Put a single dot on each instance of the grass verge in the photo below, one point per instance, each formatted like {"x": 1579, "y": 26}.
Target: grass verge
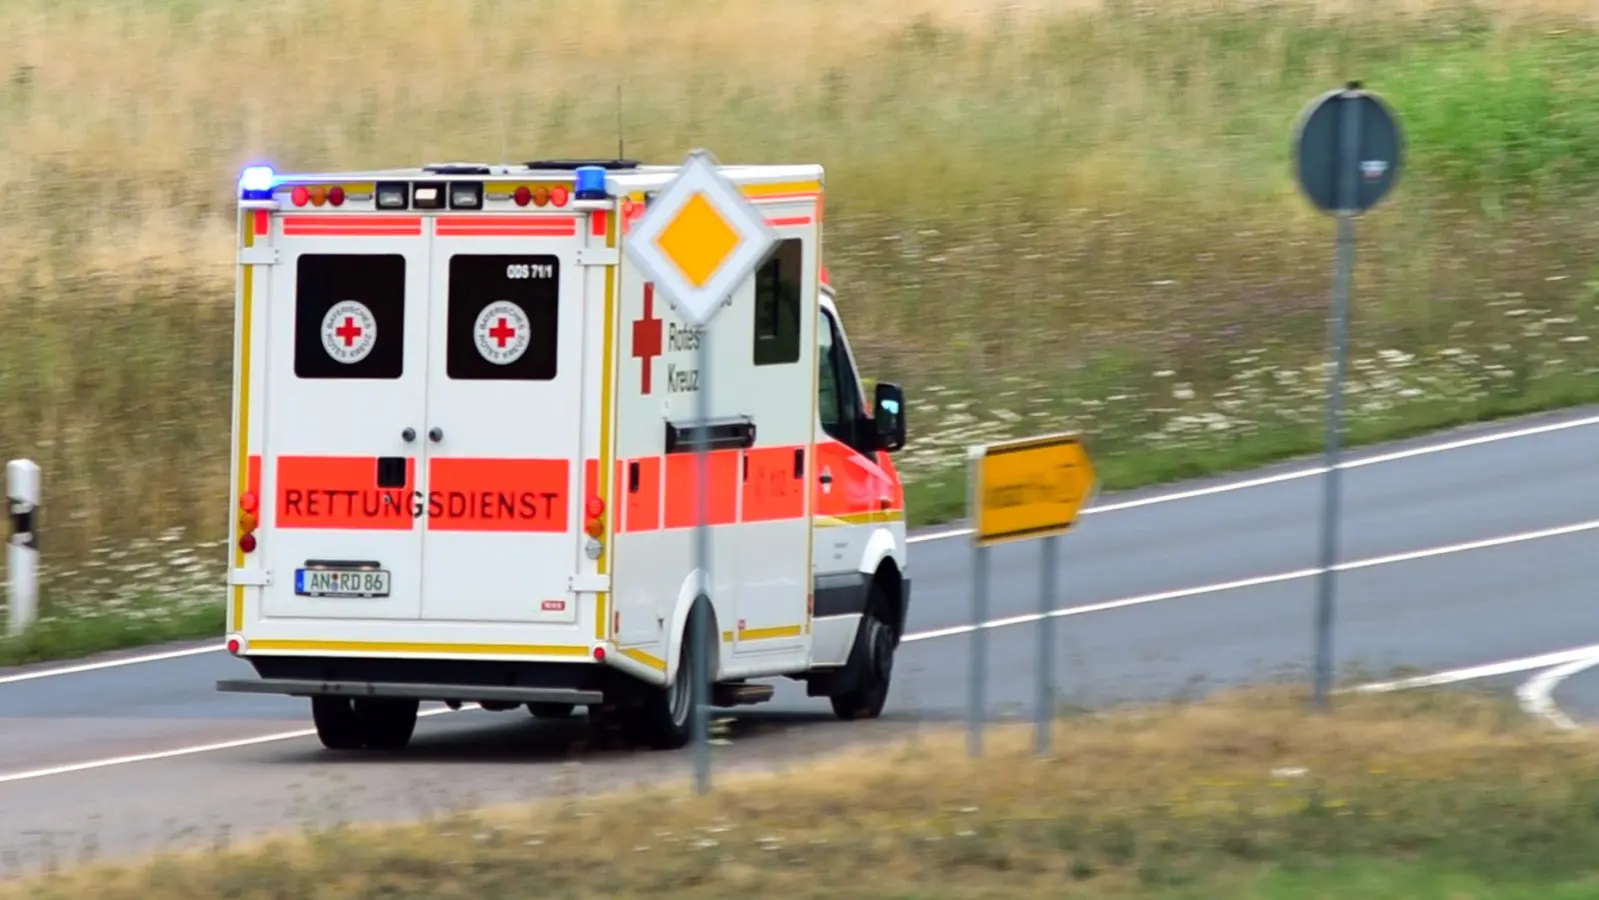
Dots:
{"x": 1247, "y": 794}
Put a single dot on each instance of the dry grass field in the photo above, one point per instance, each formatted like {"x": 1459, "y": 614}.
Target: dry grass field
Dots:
{"x": 1041, "y": 214}
{"x": 1426, "y": 796}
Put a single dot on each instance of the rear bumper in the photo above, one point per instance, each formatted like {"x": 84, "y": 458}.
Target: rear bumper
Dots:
{"x": 302, "y": 687}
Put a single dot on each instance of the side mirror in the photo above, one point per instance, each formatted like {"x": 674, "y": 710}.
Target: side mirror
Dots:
{"x": 888, "y": 416}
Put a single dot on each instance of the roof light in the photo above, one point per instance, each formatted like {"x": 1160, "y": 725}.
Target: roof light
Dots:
{"x": 391, "y": 195}
{"x": 257, "y": 179}
{"x": 466, "y": 195}
{"x": 590, "y": 183}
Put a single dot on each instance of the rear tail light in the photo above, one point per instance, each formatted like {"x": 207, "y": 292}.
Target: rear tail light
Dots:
{"x": 595, "y": 525}
{"x": 248, "y": 520}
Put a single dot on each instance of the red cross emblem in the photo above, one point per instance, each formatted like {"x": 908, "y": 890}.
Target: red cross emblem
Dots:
{"x": 647, "y": 338}
{"x": 350, "y": 331}
{"x": 502, "y": 332}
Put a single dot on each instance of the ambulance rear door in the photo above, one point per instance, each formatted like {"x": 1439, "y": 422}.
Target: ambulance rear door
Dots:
{"x": 347, "y": 352}
{"x": 505, "y": 401}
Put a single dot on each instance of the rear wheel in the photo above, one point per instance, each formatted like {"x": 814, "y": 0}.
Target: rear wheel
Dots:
{"x": 875, "y": 643}
{"x": 665, "y": 719}
{"x": 337, "y": 725}
{"x": 389, "y": 721}
{"x": 551, "y": 710}
{"x": 378, "y": 723}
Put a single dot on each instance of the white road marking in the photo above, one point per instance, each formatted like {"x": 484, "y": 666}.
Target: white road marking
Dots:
{"x": 1486, "y": 670}
{"x": 107, "y": 664}
{"x": 1537, "y": 695}
{"x": 1490, "y": 438}
{"x": 1295, "y": 575}
{"x": 187, "y": 751}
{"x": 1297, "y": 474}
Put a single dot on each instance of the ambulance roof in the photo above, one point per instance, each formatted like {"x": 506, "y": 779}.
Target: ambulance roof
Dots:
{"x": 628, "y": 176}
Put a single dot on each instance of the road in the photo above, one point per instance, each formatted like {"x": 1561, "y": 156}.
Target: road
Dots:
{"x": 1460, "y": 550}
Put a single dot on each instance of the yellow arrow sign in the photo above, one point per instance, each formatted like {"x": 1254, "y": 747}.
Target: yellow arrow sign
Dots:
{"x": 1029, "y": 488}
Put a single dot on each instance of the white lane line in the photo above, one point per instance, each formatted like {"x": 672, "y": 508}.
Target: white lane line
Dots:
{"x": 108, "y": 664}
{"x": 1484, "y": 671}
{"x": 1493, "y": 437}
{"x": 1295, "y": 575}
{"x": 1297, "y": 474}
{"x": 69, "y": 768}
{"x": 1537, "y": 695}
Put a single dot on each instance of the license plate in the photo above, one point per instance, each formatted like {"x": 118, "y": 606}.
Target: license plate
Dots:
{"x": 341, "y": 582}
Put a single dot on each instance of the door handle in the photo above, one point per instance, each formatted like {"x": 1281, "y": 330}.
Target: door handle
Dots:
{"x": 436, "y": 434}
{"x": 827, "y": 478}
{"x": 408, "y": 435}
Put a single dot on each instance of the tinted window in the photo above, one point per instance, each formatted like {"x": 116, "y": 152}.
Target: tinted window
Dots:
{"x": 777, "y": 305}
{"x": 504, "y": 318}
{"x": 349, "y": 316}
{"x": 838, "y": 400}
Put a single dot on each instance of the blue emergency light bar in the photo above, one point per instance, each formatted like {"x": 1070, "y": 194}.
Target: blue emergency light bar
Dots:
{"x": 256, "y": 182}
{"x": 590, "y": 183}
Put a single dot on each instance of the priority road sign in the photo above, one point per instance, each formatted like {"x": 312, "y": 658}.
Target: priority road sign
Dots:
{"x": 699, "y": 239}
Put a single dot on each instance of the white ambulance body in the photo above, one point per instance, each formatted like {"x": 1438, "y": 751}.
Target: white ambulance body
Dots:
{"x": 461, "y": 471}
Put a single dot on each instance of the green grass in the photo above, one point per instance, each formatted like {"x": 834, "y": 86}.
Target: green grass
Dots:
{"x": 1377, "y": 879}
{"x": 1076, "y": 217}
{"x": 1248, "y": 794}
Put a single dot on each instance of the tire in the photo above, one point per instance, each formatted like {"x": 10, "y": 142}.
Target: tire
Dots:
{"x": 665, "y": 719}
{"x": 377, "y": 723}
{"x": 338, "y": 726}
{"x": 551, "y": 710}
{"x": 875, "y": 643}
{"x": 389, "y": 721}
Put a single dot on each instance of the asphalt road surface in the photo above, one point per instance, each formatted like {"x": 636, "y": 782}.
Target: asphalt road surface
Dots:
{"x": 1465, "y": 549}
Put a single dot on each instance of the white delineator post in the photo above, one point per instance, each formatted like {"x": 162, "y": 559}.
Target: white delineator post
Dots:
{"x": 22, "y": 550}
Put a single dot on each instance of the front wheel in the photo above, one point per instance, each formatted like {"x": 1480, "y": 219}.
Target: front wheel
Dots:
{"x": 875, "y": 644}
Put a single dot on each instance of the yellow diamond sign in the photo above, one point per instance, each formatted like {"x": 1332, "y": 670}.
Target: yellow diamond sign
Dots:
{"x": 1034, "y": 487}
{"x": 697, "y": 240}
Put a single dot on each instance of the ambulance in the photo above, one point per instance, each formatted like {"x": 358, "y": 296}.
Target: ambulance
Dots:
{"x": 465, "y": 458}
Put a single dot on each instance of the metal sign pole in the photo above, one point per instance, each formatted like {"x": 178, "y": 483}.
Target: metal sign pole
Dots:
{"x": 1046, "y": 645}
{"x": 979, "y": 673}
{"x": 702, "y": 560}
{"x": 701, "y": 206}
{"x": 1347, "y": 152}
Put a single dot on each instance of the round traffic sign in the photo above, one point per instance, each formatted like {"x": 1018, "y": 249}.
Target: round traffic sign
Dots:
{"x": 1347, "y": 132}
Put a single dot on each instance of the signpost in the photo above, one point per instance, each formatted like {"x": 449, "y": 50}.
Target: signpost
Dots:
{"x": 1029, "y": 488}
{"x": 1348, "y": 151}
{"x": 697, "y": 241}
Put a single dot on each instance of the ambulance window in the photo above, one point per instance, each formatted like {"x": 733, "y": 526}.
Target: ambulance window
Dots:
{"x": 777, "y": 305}
{"x": 349, "y": 315}
{"x": 838, "y": 400}
{"x": 504, "y": 317}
